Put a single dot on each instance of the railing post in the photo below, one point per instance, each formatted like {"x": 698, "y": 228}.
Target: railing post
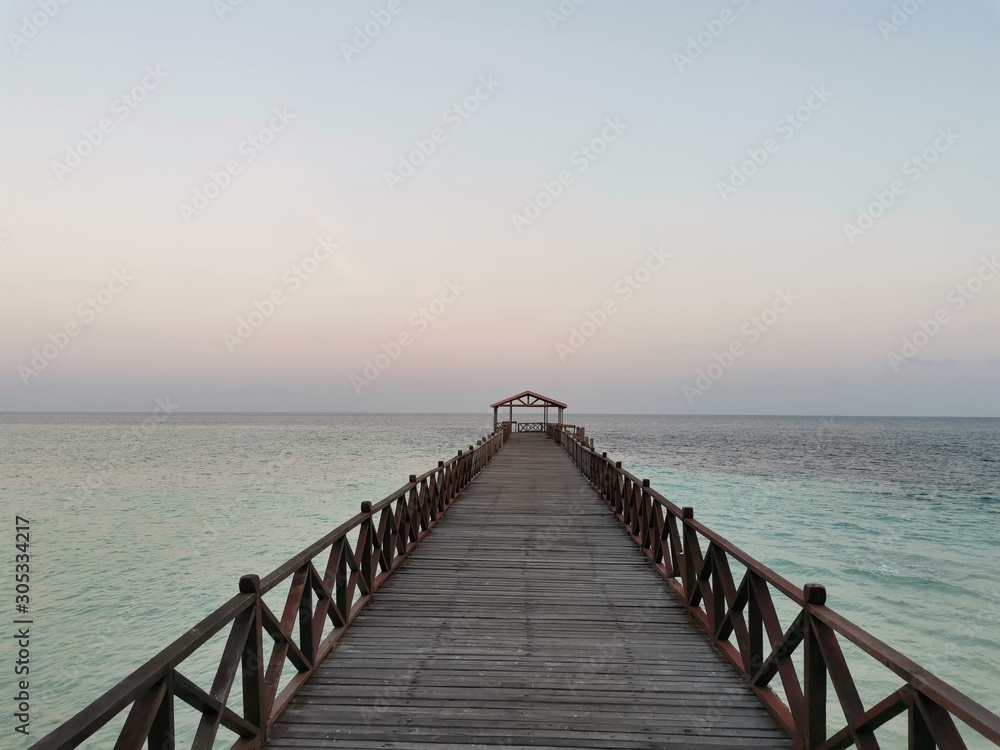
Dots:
{"x": 307, "y": 640}
{"x": 918, "y": 733}
{"x": 718, "y": 590}
{"x": 253, "y": 674}
{"x": 367, "y": 554}
{"x": 340, "y": 602}
{"x": 438, "y": 492}
{"x": 690, "y": 540}
{"x": 814, "y": 671}
{"x": 646, "y": 504}
{"x": 447, "y": 484}
{"x": 618, "y": 504}
{"x": 755, "y": 626}
{"x": 162, "y": 735}
{"x": 413, "y": 509}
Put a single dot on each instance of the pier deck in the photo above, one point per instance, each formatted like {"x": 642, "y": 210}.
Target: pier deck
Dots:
{"x": 527, "y": 618}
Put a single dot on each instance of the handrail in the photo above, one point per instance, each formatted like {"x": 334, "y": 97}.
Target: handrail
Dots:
{"x": 321, "y": 604}
{"x": 741, "y": 619}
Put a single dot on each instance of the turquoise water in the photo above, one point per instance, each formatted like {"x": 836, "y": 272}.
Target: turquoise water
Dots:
{"x": 898, "y": 518}
{"x": 140, "y": 531}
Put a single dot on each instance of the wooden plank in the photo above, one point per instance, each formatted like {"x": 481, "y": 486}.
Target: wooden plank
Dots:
{"x": 526, "y": 619}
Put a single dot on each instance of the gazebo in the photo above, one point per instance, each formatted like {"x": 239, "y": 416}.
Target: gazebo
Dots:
{"x": 531, "y": 400}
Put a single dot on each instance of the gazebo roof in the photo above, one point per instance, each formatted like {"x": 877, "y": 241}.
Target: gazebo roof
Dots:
{"x": 528, "y": 398}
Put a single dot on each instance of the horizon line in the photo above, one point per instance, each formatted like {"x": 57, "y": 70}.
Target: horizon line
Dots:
{"x": 488, "y": 414}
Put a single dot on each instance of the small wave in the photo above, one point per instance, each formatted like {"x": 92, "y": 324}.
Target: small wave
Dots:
{"x": 886, "y": 569}
{"x": 890, "y": 570}
{"x": 905, "y": 575}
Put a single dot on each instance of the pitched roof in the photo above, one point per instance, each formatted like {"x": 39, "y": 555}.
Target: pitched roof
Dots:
{"x": 529, "y": 398}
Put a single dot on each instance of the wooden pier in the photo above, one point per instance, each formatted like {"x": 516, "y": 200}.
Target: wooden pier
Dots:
{"x": 526, "y": 619}
{"x": 529, "y": 592}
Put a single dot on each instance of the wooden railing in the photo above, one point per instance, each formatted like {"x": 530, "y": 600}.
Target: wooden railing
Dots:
{"x": 329, "y": 584}
{"x": 742, "y": 620}
{"x": 523, "y": 426}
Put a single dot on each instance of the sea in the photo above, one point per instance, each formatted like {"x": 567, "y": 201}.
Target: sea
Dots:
{"x": 140, "y": 526}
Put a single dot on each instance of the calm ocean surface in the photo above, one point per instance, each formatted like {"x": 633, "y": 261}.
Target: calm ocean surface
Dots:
{"x": 139, "y": 532}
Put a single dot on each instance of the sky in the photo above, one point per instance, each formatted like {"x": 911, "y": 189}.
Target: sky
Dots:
{"x": 725, "y": 207}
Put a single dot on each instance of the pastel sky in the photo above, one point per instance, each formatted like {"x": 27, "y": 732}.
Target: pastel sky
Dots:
{"x": 120, "y": 286}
